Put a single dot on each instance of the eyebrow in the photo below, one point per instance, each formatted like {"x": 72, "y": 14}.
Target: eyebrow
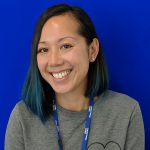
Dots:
{"x": 59, "y": 40}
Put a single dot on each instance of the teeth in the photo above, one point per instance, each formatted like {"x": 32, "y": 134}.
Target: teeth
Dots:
{"x": 61, "y": 74}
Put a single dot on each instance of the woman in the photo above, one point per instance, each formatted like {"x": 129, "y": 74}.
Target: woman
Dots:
{"x": 66, "y": 104}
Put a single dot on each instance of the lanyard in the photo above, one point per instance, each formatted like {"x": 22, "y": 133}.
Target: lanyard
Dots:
{"x": 87, "y": 125}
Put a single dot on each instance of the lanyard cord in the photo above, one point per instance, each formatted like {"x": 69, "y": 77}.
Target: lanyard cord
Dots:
{"x": 87, "y": 125}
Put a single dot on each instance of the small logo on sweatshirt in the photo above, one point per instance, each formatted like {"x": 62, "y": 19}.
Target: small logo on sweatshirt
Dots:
{"x": 111, "y": 145}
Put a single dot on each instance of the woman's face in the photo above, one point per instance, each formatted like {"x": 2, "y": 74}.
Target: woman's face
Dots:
{"x": 63, "y": 55}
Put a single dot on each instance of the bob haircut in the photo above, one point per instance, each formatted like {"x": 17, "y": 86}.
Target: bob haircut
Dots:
{"x": 37, "y": 93}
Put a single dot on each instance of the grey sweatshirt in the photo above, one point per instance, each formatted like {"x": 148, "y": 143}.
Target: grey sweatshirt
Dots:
{"x": 116, "y": 125}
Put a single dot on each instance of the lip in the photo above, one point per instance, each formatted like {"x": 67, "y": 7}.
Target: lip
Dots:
{"x": 63, "y": 78}
{"x": 59, "y": 71}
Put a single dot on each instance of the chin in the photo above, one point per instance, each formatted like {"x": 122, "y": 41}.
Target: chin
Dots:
{"x": 61, "y": 91}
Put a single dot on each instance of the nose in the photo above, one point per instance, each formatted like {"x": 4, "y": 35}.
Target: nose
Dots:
{"x": 54, "y": 58}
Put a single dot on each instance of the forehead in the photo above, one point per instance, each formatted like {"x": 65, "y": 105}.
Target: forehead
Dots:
{"x": 62, "y": 24}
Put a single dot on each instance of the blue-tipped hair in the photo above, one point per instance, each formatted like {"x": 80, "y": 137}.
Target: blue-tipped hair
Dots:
{"x": 37, "y": 93}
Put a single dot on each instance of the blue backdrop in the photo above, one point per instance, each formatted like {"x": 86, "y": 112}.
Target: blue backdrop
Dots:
{"x": 124, "y": 31}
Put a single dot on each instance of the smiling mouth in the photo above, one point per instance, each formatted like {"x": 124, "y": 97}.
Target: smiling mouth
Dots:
{"x": 60, "y": 75}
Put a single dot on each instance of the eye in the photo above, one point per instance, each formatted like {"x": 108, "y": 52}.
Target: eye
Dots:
{"x": 66, "y": 46}
{"x": 42, "y": 50}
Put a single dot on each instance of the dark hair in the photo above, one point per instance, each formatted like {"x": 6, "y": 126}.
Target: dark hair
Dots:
{"x": 37, "y": 93}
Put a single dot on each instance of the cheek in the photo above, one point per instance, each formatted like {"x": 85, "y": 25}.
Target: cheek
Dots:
{"x": 82, "y": 58}
{"x": 78, "y": 55}
{"x": 41, "y": 62}
{"x": 80, "y": 62}
{"x": 83, "y": 62}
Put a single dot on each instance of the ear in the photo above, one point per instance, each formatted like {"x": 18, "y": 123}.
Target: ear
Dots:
{"x": 93, "y": 50}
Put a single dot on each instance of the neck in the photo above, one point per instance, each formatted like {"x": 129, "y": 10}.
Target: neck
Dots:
{"x": 73, "y": 103}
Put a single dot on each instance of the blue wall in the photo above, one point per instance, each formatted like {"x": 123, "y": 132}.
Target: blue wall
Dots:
{"x": 124, "y": 30}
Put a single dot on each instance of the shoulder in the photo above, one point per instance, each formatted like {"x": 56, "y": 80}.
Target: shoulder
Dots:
{"x": 116, "y": 98}
{"x": 117, "y": 103}
{"x": 21, "y": 111}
